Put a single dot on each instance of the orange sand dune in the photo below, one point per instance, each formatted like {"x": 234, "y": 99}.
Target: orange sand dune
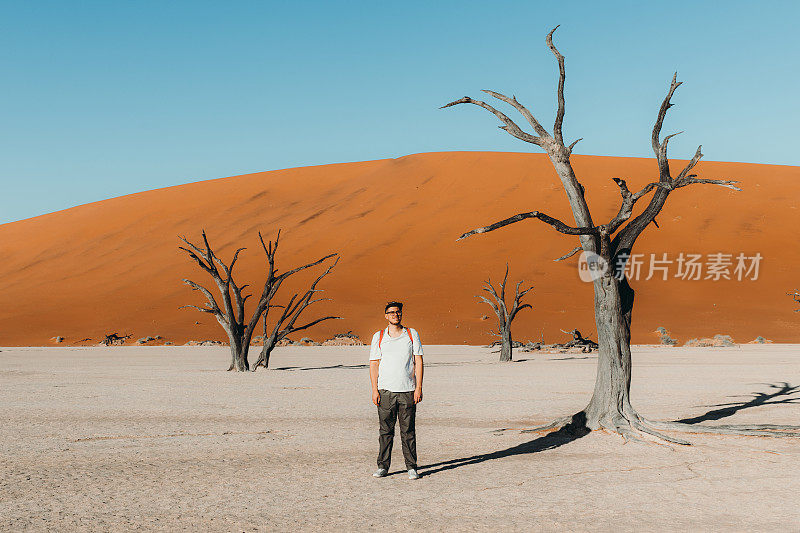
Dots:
{"x": 114, "y": 265}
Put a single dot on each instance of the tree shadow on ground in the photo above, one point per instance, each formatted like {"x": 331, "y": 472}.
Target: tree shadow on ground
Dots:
{"x": 319, "y": 367}
{"x": 781, "y": 393}
{"x": 363, "y": 365}
{"x": 572, "y": 431}
{"x": 568, "y": 358}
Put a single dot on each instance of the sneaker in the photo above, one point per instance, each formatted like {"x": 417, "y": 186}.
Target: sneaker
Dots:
{"x": 412, "y": 473}
{"x": 381, "y": 472}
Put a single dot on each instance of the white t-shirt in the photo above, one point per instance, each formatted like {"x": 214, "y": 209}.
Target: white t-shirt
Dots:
{"x": 396, "y": 355}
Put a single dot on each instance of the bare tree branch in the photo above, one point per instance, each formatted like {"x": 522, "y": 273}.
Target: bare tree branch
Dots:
{"x": 203, "y": 309}
{"x": 722, "y": 183}
{"x": 315, "y": 322}
{"x": 210, "y": 297}
{"x": 665, "y": 142}
{"x": 275, "y": 280}
{"x": 557, "y": 224}
{"x": 516, "y": 307}
{"x": 572, "y": 145}
{"x": 522, "y": 111}
{"x": 488, "y": 287}
{"x": 628, "y": 235}
{"x": 211, "y": 257}
{"x": 554, "y": 146}
{"x": 206, "y": 263}
{"x": 510, "y": 126}
{"x": 307, "y": 265}
{"x": 561, "y": 76}
{"x": 229, "y": 269}
{"x": 658, "y": 149}
{"x": 569, "y": 254}
{"x": 628, "y": 201}
{"x": 494, "y": 305}
{"x": 691, "y": 164}
{"x": 520, "y": 308}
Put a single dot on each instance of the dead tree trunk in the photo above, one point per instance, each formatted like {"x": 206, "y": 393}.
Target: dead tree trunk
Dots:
{"x": 285, "y": 324}
{"x": 231, "y": 314}
{"x": 610, "y": 406}
{"x": 504, "y": 315}
{"x": 506, "y": 346}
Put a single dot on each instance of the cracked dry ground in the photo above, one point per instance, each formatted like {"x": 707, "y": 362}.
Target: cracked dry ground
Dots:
{"x": 161, "y": 438}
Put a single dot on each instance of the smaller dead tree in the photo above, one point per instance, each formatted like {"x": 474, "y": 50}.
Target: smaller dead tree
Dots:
{"x": 113, "y": 339}
{"x": 285, "y": 324}
{"x": 231, "y": 314}
{"x": 504, "y": 315}
{"x": 578, "y": 341}
{"x": 796, "y": 297}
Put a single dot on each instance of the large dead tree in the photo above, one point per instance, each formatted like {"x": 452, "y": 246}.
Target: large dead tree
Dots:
{"x": 505, "y": 315}
{"x": 231, "y": 314}
{"x": 286, "y": 321}
{"x": 610, "y": 406}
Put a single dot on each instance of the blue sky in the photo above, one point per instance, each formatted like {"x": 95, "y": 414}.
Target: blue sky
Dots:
{"x": 101, "y": 99}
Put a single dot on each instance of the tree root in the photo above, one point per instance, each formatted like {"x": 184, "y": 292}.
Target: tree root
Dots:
{"x": 752, "y": 430}
{"x": 633, "y": 427}
{"x": 556, "y": 424}
{"x": 627, "y": 434}
{"x": 639, "y": 425}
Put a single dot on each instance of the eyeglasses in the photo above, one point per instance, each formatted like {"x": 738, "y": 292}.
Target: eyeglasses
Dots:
{"x": 394, "y": 313}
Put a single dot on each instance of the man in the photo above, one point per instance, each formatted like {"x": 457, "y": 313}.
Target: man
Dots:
{"x": 395, "y": 370}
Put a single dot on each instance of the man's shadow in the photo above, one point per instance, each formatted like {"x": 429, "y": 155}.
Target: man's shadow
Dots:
{"x": 572, "y": 431}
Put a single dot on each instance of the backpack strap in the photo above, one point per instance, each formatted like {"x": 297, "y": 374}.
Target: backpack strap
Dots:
{"x": 380, "y": 340}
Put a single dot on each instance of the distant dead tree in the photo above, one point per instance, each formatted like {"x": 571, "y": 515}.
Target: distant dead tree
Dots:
{"x": 610, "y": 407}
{"x": 796, "y": 297}
{"x": 285, "y": 323}
{"x": 113, "y": 339}
{"x": 504, "y": 315}
{"x": 578, "y": 341}
{"x": 231, "y": 314}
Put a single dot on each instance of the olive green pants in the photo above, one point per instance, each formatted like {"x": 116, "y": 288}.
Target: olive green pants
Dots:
{"x": 392, "y": 407}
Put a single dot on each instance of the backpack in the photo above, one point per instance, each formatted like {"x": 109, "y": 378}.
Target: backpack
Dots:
{"x": 380, "y": 339}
